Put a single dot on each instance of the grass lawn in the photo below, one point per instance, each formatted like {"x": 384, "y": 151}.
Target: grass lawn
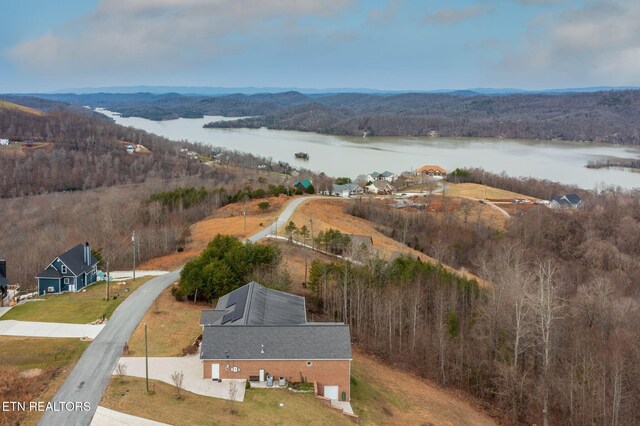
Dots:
{"x": 25, "y": 353}
{"x": 260, "y": 407}
{"x": 77, "y": 308}
{"x": 171, "y": 326}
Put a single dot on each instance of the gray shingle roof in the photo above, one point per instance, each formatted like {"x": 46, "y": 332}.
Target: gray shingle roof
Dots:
{"x": 567, "y": 200}
{"x": 308, "y": 341}
{"x": 211, "y": 317}
{"x": 50, "y": 272}
{"x": 74, "y": 259}
{"x": 262, "y": 306}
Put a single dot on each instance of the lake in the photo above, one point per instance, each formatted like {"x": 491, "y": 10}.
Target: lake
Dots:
{"x": 352, "y": 156}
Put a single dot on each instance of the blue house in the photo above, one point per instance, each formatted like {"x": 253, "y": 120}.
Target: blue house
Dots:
{"x": 71, "y": 271}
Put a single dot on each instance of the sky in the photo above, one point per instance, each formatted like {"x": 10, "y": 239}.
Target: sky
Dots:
{"x": 377, "y": 44}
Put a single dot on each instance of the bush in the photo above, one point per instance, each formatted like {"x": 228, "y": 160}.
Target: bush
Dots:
{"x": 223, "y": 266}
{"x": 190, "y": 350}
{"x": 247, "y": 385}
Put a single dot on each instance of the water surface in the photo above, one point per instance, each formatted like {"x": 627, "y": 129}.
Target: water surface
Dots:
{"x": 352, "y": 156}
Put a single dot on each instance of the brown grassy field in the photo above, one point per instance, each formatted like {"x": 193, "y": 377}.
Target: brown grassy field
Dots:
{"x": 10, "y": 105}
{"x": 227, "y": 220}
{"x": 329, "y": 213}
{"x": 171, "y": 326}
{"x": 478, "y": 191}
{"x": 382, "y": 394}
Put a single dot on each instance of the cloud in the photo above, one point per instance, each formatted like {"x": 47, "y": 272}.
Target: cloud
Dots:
{"x": 386, "y": 14}
{"x": 450, "y": 15}
{"x": 599, "y": 42}
{"x": 146, "y": 33}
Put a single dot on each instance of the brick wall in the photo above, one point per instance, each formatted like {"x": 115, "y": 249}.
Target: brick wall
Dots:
{"x": 325, "y": 373}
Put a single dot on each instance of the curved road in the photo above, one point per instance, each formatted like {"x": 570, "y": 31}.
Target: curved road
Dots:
{"x": 89, "y": 378}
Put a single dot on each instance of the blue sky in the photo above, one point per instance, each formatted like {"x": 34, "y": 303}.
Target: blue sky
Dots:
{"x": 381, "y": 44}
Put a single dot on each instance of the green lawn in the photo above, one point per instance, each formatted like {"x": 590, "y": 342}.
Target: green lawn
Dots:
{"x": 77, "y": 308}
{"x": 260, "y": 407}
{"x": 25, "y": 353}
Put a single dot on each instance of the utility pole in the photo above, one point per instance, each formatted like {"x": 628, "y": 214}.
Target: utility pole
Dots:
{"x": 107, "y": 286}
{"x": 313, "y": 242}
{"x": 133, "y": 249}
{"x": 146, "y": 357}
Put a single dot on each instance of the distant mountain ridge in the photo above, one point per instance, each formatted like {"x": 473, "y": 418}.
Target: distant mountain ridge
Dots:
{"x": 249, "y": 90}
{"x": 600, "y": 116}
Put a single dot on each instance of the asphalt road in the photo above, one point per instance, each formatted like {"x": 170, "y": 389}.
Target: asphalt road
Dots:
{"x": 89, "y": 378}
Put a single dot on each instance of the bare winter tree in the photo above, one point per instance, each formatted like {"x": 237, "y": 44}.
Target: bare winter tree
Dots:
{"x": 178, "y": 378}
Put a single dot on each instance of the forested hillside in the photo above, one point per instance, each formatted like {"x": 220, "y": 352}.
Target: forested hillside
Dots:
{"x": 606, "y": 116}
{"x": 552, "y": 337}
{"x": 75, "y": 182}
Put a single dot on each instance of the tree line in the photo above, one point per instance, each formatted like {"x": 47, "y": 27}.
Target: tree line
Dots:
{"x": 551, "y": 339}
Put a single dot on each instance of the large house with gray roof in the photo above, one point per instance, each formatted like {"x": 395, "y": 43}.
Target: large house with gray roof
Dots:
{"x": 568, "y": 201}
{"x": 255, "y": 332}
{"x": 72, "y": 271}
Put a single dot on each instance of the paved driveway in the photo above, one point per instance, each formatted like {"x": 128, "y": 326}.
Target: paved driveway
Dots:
{"x": 48, "y": 329}
{"x": 107, "y": 417}
{"x": 90, "y": 376}
{"x": 161, "y": 368}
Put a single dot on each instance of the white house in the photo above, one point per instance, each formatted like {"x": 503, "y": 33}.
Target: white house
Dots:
{"x": 380, "y": 187}
{"x": 386, "y": 175}
{"x": 345, "y": 191}
{"x": 566, "y": 201}
{"x": 4, "y": 142}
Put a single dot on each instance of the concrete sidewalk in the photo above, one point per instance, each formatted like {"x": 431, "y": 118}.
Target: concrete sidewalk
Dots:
{"x": 48, "y": 329}
{"x": 107, "y": 417}
{"x": 161, "y": 368}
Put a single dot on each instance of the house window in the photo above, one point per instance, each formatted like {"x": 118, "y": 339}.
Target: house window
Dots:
{"x": 309, "y": 363}
{"x": 66, "y": 280}
{"x": 63, "y": 269}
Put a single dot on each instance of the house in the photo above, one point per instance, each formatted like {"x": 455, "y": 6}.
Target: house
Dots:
{"x": 433, "y": 171}
{"x": 380, "y": 187}
{"x": 255, "y": 332}
{"x": 345, "y": 191}
{"x": 4, "y": 282}
{"x": 303, "y": 185}
{"x": 566, "y": 201}
{"x": 386, "y": 175}
{"x": 131, "y": 149}
{"x": 4, "y": 142}
{"x": 71, "y": 271}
